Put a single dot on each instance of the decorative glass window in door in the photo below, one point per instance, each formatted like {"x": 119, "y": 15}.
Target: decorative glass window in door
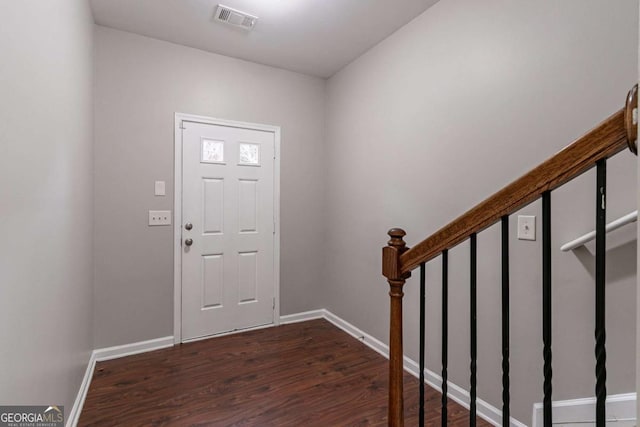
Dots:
{"x": 249, "y": 154}
{"x": 212, "y": 151}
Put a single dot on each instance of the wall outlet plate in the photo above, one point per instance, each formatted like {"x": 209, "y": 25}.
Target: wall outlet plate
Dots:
{"x": 159, "y": 218}
{"x": 526, "y": 227}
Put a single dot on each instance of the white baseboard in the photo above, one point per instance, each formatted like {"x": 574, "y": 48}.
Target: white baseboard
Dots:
{"x": 74, "y": 415}
{"x": 372, "y": 342}
{"x": 484, "y": 410}
{"x": 621, "y": 411}
{"x": 118, "y": 351}
{"x": 302, "y": 317}
{"x": 102, "y": 354}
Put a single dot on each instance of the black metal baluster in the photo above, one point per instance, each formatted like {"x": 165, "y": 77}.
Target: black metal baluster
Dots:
{"x": 505, "y": 322}
{"x": 546, "y": 305}
{"x": 474, "y": 337}
{"x": 422, "y": 319}
{"x": 445, "y": 332}
{"x": 600, "y": 332}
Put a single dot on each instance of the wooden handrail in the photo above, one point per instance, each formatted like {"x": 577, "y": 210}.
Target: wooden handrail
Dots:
{"x": 610, "y": 137}
{"x": 606, "y": 140}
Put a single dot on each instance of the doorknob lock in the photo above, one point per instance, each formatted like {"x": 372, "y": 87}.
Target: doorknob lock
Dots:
{"x": 188, "y": 242}
{"x": 188, "y": 226}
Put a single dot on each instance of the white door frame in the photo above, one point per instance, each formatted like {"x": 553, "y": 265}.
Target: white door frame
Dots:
{"x": 177, "y": 206}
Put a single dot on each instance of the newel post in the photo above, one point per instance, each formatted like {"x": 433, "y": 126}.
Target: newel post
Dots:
{"x": 631, "y": 119}
{"x": 391, "y": 270}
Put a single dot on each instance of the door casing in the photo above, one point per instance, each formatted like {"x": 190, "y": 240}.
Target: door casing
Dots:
{"x": 177, "y": 207}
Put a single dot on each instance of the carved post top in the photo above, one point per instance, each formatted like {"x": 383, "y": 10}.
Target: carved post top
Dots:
{"x": 397, "y": 240}
{"x": 631, "y": 119}
{"x": 391, "y": 256}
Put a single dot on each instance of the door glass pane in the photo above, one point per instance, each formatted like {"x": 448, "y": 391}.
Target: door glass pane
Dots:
{"x": 249, "y": 154}
{"x": 212, "y": 151}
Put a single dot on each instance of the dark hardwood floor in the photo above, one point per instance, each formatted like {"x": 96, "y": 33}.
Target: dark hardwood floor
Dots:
{"x": 304, "y": 374}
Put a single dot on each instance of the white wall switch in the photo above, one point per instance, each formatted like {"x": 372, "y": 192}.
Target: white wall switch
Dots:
{"x": 160, "y": 188}
{"x": 159, "y": 218}
{"x": 526, "y": 227}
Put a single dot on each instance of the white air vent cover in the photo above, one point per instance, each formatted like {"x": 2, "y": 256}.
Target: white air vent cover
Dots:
{"x": 235, "y": 17}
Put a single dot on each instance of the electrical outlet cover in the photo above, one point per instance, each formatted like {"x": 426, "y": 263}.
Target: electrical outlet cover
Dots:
{"x": 526, "y": 227}
{"x": 159, "y": 218}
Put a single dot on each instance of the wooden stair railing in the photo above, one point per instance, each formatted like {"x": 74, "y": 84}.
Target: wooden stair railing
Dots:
{"x": 613, "y": 135}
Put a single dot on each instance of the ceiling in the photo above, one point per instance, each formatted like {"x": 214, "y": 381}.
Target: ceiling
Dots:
{"x": 316, "y": 37}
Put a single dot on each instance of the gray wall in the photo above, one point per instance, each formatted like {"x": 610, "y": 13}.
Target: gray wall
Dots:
{"x": 450, "y": 108}
{"x": 46, "y": 200}
{"x": 140, "y": 83}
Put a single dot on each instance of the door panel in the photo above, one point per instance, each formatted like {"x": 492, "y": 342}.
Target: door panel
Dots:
{"x": 247, "y": 205}
{"x": 248, "y": 277}
{"x": 212, "y": 280}
{"x": 228, "y": 196}
{"x": 213, "y": 204}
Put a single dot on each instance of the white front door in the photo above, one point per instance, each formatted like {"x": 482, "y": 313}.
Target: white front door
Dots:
{"x": 228, "y": 229}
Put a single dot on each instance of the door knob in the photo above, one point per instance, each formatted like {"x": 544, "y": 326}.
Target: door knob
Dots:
{"x": 188, "y": 242}
{"x": 188, "y": 226}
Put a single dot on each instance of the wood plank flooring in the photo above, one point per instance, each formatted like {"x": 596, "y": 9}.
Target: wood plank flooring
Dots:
{"x": 303, "y": 374}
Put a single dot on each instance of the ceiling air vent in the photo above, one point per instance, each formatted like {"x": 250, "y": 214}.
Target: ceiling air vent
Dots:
{"x": 235, "y": 17}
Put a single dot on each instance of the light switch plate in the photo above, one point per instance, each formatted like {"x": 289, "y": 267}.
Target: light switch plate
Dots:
{"x": 160, "y": 188}
{"x": 526, "y": 227}
{"x": 159, "y": 218}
